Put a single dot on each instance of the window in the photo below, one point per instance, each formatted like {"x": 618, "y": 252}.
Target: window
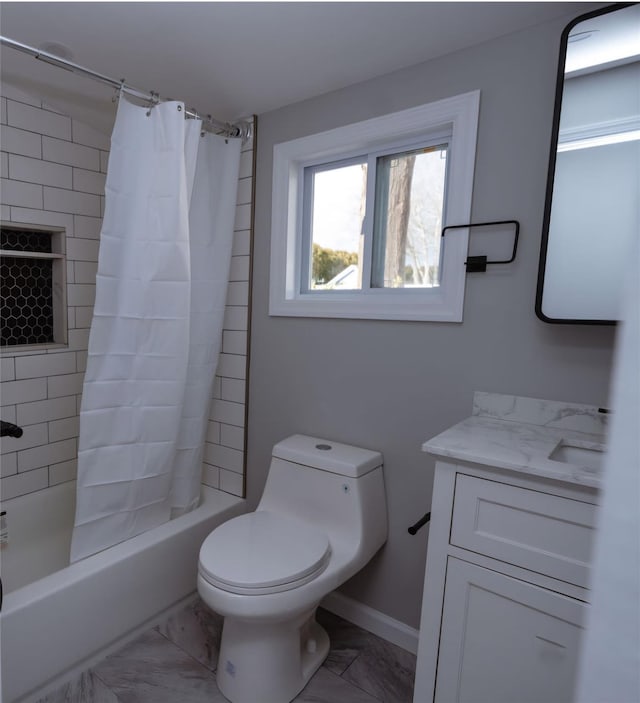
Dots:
{"x": 32, "y": 282}
{"x": 358, "y": 214}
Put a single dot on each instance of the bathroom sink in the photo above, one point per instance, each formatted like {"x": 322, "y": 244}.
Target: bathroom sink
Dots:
{"x": 568, "y": 453}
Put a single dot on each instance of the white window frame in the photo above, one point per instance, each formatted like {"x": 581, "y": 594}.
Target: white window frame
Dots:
{"x": 458, "y": 116}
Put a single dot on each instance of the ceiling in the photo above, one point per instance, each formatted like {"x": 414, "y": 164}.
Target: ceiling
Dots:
{"x": 233, "y": 59}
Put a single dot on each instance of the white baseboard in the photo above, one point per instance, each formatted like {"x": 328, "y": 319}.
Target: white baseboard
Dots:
{"x": 372, "y": 620}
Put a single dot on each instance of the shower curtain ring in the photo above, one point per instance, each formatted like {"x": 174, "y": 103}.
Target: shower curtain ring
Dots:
{"x": 155, "y": 100}
{"x": 118, "y": 91}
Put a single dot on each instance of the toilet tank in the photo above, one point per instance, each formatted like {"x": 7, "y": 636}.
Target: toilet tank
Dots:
{"x": 336, "y": 487}
{"x": 342, "y": 459}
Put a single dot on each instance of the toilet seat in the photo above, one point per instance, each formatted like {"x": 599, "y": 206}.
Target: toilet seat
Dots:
{"x": 263, "y": 552}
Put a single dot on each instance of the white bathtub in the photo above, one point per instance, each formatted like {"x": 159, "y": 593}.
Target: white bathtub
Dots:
{"x": 58, "y": 623}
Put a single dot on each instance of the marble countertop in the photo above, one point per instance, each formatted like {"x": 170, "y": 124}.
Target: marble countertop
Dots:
{"x": 519, "y": 434}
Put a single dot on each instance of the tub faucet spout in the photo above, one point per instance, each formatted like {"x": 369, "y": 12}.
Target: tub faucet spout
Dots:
{"x": 8, "y": 429}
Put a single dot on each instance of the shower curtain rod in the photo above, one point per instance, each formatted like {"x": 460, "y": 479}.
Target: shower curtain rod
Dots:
{"x": 241, "y": 129}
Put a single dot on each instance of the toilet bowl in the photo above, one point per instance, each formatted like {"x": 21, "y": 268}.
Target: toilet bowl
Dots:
{"x": 321, "y": 518}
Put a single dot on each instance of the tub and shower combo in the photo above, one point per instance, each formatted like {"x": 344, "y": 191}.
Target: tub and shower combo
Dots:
{"x": 92, "y": 561}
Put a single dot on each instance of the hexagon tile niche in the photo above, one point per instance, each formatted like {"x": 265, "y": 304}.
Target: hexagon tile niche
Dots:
{"x": 26, "y": 289}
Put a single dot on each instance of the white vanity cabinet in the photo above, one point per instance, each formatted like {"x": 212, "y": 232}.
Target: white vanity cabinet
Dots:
{"x": 505, "y": 589}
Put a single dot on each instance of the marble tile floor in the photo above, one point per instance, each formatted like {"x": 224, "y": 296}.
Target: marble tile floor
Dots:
{"x": 176, "y": 663}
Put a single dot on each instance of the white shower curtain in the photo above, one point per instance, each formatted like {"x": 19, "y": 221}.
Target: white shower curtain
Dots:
{"x": 163, "y": 267}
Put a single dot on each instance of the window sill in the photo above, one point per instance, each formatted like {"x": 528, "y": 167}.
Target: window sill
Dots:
{"x": 422, "y": 306}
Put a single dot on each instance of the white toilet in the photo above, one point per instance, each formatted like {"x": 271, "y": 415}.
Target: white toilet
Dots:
{"x": 321, "y": 518}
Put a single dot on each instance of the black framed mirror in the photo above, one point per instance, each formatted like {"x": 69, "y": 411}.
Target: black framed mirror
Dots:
{"x": 592, "y": 207}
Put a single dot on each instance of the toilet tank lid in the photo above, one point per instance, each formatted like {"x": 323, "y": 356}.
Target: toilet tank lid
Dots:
{"x": 327, "y": 455}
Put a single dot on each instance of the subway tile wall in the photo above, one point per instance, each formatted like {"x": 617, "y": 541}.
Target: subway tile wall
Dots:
{"x": 53, "y": 174}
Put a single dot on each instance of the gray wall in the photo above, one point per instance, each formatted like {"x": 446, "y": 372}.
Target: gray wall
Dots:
{"x": 391, "y": 385}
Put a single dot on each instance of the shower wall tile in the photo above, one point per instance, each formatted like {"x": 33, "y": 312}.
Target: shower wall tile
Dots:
{"x": 28, "y": 482}
{"x": 231, "y": 482}
{"x": 61, "y": 200}
{"x": 224, "y": 457}
{"x": 32, "y": 436}
{"x": 243, "y": 217}
{"x": 231, "y": 436}
{"x": 242, "y": 243}
{"x": 238, "y": 293}
{"x": 84, "y": 134}
{"x": 85, "y": 271}
{"x": 228, "y": 413}
{"x": 234, "y": 342}
{"x": 4, "y": 165}
{"x": 81, "y": 294}
{"x": 210, "y": 475}
{"x": 246, "y": 164}
{"x": 52, "y": 453}
{"x": 78, "y": 339}
{"x": 19, "y": 141}
{"x": 245, "y": 191}
{"x": 8, "y": 413}
{"x": 239, "y": 270}
{"x": 217, "y": 385}
{"x": 7, "y": 369}
{"x": 35, "y": 119}
{"x": 88, "y": 181}
{"x": 3, "y": 111}
{"x": 45, "y": 365}
{"x": 236, "y": 318}
{"x": 232, "y": 365}
{"x": 46, "y": 410}
{"x": 58, "y": 386}
{"x": 21, "y": 194}
{"x": 213, "y": 432}
{"x": 81, "y": 249}
{"x": 24, "y": 391}
{"x": 44, "y": 217}
{"x": 24, "y": 168}
{"x": 64, "y": 429}
{"x": 9, "y": 464}
{"x": 104, "y": 161}
{"x": 81, "y": 357}
{"x": 233, "y": 389}
{"x": 84, "y": 313}
{"x": 87, "y": 227}
{"x": 63, "y": 472}
{"x": 63, "y": 152}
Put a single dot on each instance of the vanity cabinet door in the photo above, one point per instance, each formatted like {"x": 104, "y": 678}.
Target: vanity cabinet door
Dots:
{"x": 504, "y": 640}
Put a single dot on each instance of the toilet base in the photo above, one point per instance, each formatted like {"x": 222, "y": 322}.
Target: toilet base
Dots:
{"x": 269, "y": 662}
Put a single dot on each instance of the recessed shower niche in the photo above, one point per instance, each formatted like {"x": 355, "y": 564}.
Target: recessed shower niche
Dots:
{"x": 32, "y": 288}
